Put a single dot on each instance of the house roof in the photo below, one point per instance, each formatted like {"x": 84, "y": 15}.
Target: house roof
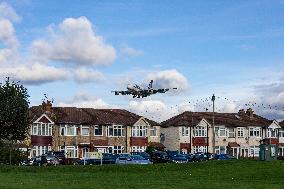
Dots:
{"x": 88, "y": 115}
{"x": 230, "y": 119}
{"x": 282, "y": 124}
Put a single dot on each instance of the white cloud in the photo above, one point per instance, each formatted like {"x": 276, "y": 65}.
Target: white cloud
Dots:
{"x": 86, "y": 100}
{"x": 75, "y": 42}
{"x": 6, "y": 11}
{"x": 83, "y": 75}
{"x": 129, "y": 51}
{"x": 157, "y": 110}
{"x": 169, "y": 79}
{"x": 34, "y": 74}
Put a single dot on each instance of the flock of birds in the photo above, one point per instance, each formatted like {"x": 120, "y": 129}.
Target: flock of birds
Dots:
{"x": 206, "y": 105}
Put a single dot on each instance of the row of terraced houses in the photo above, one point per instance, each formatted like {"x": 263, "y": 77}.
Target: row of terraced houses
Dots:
{"x": 81, "y": 130}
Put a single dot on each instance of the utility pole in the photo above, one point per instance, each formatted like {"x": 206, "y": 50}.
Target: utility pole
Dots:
{"x": 213, "y": 124}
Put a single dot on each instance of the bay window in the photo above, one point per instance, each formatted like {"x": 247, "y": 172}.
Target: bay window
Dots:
{"x": 272, "y": 133}
{"x": 115, "y": 130}
{"x": 197, "y": 149}
{"x": 139, "y": 131}
{"x": 42, "y": 129}
{"x": 118, "y": 149}
{"x": 199, "y": 131}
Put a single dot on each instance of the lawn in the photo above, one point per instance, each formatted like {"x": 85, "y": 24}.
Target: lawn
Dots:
{"x": 212, "y": 174}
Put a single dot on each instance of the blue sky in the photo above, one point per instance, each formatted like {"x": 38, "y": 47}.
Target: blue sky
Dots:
{"x": 230, "y": 48}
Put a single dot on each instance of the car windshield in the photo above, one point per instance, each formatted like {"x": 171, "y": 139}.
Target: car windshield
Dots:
{"x": 137, "y": 157}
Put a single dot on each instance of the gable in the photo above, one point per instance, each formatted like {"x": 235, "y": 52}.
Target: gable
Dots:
{"x": 274, "y": 125}
{"x": 142, "y": 122}
{"x": 44, "y": 119}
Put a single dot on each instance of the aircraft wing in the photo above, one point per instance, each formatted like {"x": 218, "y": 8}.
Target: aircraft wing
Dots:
{"x": 121, "y": 92}
{"x": 162, "y": 90}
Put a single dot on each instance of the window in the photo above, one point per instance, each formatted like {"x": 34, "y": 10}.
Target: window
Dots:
{"x": 118, "y": 149}
{"x": 153, "y": 131}
{"x": 221, "y": 131}
{"x": 42, "y": 129}
{"x": 98, "y": 130}
{"x": 254, "y": 151}
{"x": 139, "y": 131}
{"x": 138, "y": 148}
{"x": 197, "y": 149}
{"x": 68, "y": 130}
{"x": 240, "y": 132}
{"x": 115, "y": 130}
{"x": 184, "y": 131}
{"x": 281, "y": 133}
{"x": 255, "y": 132}
{"x": 220, "y": 149}
{"x": 272, "y": 133}
{"x": 85, "y": 131}
{"x": 231, "y": 132}
{"x": 40, "y": 150}
{"x": 71, "y": 151}
{"x": 199, "y": 131}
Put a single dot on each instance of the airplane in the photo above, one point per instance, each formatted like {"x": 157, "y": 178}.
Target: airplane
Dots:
{"x": 138, "y": 92}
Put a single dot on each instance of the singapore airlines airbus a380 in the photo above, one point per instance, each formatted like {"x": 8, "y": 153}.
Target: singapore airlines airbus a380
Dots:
{"x": 138, "y": 92}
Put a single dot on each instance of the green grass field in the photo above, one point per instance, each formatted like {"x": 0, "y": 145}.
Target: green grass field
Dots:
{"x": 212, "y": 174}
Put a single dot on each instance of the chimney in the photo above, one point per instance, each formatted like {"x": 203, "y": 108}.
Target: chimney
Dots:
{"x": 249, "y": 112}
{"x": 47, "y": 106}
{"x": 241, "y": 112}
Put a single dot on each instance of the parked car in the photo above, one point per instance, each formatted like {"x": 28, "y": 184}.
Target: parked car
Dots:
{"x": 223, "y": 157}
{"x": 160, "y": 157}
{"x": 137, "y": 159}
{"x": 145, "y": 155}
{"x": 123, "y": 159}
{"x": 106, "y": 159}
{"x": 52, "y": 160}
{"x": 189, "y": 157}
{"x": 39, "y": 161}
{"x": 59, "y": 154}
{"x": 199, "y": 157}
{"x": 176, "y": 157}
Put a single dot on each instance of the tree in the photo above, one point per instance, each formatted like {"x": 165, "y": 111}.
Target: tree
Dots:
{"x": 14, "y": 111}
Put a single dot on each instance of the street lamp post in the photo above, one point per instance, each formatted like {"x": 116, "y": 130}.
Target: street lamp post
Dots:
{"x": 213, "y": 123}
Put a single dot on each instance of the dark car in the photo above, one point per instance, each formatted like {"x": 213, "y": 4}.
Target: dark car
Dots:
{"x": 176, "y": 157}
{"x": 107, "y": 159}
{"x": 199, "y": 157}
{"x": 39, "y": 161}
{"x": 59, "y": 154}
{"x": 223, "y": 157}
{"x": 145, "y": 155}
{"x": 189, "y": 157}
{"x": 160, "y": 157}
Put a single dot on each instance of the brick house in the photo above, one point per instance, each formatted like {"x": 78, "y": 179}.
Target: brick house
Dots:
{"x": 238, "y": 134}
{"x": 80, "y": 130}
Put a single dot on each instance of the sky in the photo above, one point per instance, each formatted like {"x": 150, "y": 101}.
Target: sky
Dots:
{"x": 77, "y": 52}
